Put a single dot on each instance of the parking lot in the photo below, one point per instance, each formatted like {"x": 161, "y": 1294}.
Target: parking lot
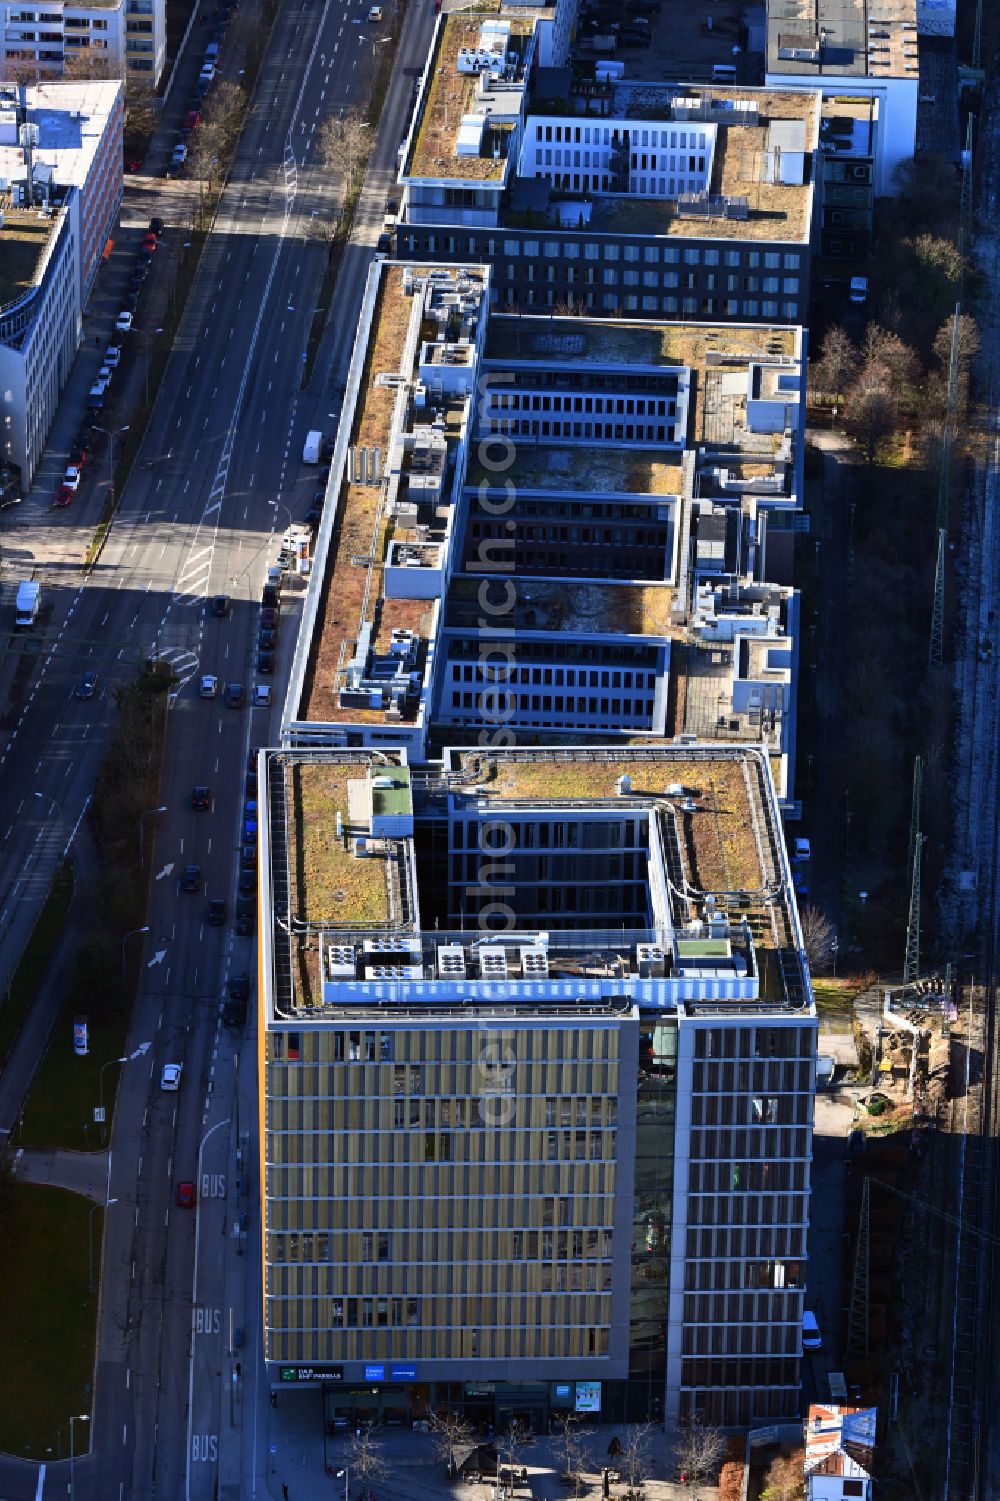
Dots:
{"x": 685, "y": 45}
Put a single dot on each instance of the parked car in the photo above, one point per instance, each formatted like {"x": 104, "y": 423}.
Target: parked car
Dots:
{"x": 207, "y": 73}
{"x": 186, "y": 1195}
{"x": 156, "y": 226}
{"x": 246, "y": 917}
{"x": 262, "y": 696}
{"x": 63, "y": 498}
{"x": 71, "y": 479}
{"x": 221, "y": 606}
{"x": 149, "y": 244}
{"x": 811, "y": 1337}
{"x": 269, "y": 618}
{"x": 179, "y": 154}
{"x": 112, "y": 357}
{"x": 265, "y": 661}
{"x": 209, "y": 686}
{"x": 267, "y": 640}
{"x": 803, "y": 849}
{"x": 247, "y": 883}
{"x": 191, "y": 119}
{"x": 87, "y": 686}
{"x": 123, "y": 322}
{"x": 239, "y": 987}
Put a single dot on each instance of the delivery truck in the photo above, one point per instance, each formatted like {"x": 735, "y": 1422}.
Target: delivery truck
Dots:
{"x": 311, "y": 447}
{"x": 26, "y": 606}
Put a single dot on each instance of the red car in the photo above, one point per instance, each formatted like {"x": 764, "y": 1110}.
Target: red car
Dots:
{"x": 191, "y": 119}
{"x": 186, "y": 1195}
{"x": 64, "y": 496}
{"x": 149, "y": 243}
{"x": 133, "y": 166}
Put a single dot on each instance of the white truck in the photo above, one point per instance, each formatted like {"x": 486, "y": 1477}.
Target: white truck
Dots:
{"x": 311, "y": 447}
{"x": 29, "y": 595}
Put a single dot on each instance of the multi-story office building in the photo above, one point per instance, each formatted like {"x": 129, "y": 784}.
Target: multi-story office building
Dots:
{"x": 537, "y": 1066}
{"x": 548, "y": 522}
{"x": 146, "y": 40}
{"x": 607, "y": 196}
{"x": 61, "y": 153}
{"x": 847, "y": 51}
{"x": 44, "y": 35}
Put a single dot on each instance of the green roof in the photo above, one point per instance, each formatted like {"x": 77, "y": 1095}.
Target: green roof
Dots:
{"x": 395, "y": 801}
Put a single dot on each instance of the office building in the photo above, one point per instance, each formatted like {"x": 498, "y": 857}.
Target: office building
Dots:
{"x": 61, "y": 154}
{"x": 607, "y": 196}
{"x": 581, "y": 528}
{"x": 537, "y": 1066}
{"x": 40, "y": 37}
{"x": 843, "y": 50}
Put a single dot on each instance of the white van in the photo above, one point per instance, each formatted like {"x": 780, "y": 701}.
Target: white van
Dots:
{"x": 811, "y": 1337}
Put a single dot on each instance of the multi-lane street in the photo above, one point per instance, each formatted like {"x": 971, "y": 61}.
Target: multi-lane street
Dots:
{"x": 179, "y": 1407}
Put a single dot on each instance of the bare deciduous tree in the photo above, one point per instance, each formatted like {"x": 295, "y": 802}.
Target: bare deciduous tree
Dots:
{"x": 785, "y": 1479}
{"x": 367, "y": 1459}
{"x": 870, "y": 411}
{"x": 449, "y": 1431}
{"x": 343, "y": 143}
{"x": 634, "y": 1459}
{"x": 817, "y": 936}
{"x": 836, "y": 367}
{"x": 699, "y": 1450}
{"x": 572, "y": 1449}
{"x": 510, "y": 1443}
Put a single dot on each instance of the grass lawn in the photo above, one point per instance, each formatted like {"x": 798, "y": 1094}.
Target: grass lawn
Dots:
{"x": 47, "y": 1317}
{"x": 65, "y": 1089}
{"x": 834, "y": 998}
{"x": 35, "y": 959}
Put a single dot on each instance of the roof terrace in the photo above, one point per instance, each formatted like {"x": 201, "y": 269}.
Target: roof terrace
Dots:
{"x": 579, "y": 608}
{"x": 24, "y": 238}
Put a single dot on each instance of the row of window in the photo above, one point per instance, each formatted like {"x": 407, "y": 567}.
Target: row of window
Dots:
{"x": 779, "y": 1142}
{"x": 557, "y": 677}
{"x": 748, "y": 1209}
{"x": 764, "y": 1240}
{"x": 545, "y": 1338}
{"x": 618, "y": 135}
{"x": 762, "y": 1076}
{"x": 467, "y": 1249}
{"x": 756, "y": 1110}
{"x": 478, "y": 1049}
{"x": 601, "y": 406}
{"x": 599, "y": 432}
{"x": 581, "y": 708}
{"x": 720, "y": 1276}
{"x": 765, "y": 1308}
{"x": 747, "y": 1177}
{"x": 754, "y": 1042}
{"x": 742, "y": 1339}
{"x": 476, "y": 247}
{"x": 689, "y": 307}
{"x": 638, "y": 564}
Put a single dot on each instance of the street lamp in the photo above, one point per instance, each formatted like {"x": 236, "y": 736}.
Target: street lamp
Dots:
{"x": 147, "y": 334}
{"x": 125, "y": 940}
{"x": 111, "y": 433}
{"x": 100, "y": 1087}
{"x": 90, "y": 1242}
{"x": 347, "y": 1476}
{"x": 834, "y": 951}
{"x": 81, "y": 1417}
{"x": 142, "y": 821}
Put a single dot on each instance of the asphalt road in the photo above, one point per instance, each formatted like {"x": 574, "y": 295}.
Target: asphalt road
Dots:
{"x": 221, "y": 461}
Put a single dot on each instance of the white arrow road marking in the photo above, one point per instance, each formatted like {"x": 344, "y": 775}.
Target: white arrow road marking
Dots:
{"x": 157, "y": 958}
{"x": 165, "y": 871}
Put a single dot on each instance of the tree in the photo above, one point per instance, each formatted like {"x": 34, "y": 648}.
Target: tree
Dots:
{"x": 968, "y": 341}
{"x": 89, "y": 62}
{"x": 343, "y": 143}
{"x": 571, "y": 1448}
{"x": 870, "y": 410}
{"x": 817, "y": 936}
{"x": 837, "y": 365}
{"x": 633, "y": 1461}
{"x": 886, "y": 351}
{"x": 367, "y": 1459}
{"x": 699, "y": 1450}
{"x": 449, "y": 1431}
{"x": 785, "y": 1480}
{"x": 510, "y": 1443}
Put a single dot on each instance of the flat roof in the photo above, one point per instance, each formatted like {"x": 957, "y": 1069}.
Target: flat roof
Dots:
{"x": 848, "y": 38}
{"x": 607, "y": 341}
{"x": 722, "y": 836}
{"x": 329, "y": 883}
{"x": 24, "y": 236}
{"x": 583, "y": 470}
{"x": 581, "y": 606}
{"x": 776, "y": 211}
{"x": 450, "y": 97}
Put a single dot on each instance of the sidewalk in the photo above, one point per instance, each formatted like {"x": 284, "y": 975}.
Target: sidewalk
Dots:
{"x": 79, "y": 1172}
{"x": 308, "y": 1464}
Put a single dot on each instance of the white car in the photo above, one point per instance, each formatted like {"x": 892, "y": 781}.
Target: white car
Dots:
{"x": 104, "y": 374}
{"x": 803, "y": 849}
{"x": 262, "y": 696}
{"x": 811, "y": 1337}
{"x": 123, "y": 322}
{"x": 112, "y": 357}
{"x": 72, "y": 478}
{"x": 375, "y": 14}
{"x": 179, "y": 156}
{"x": 209, "y": 686}
{"x": 170, "y": 1078}
{"x": 207, "y": 73}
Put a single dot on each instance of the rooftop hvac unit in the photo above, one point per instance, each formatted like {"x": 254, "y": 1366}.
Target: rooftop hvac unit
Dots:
{"x": 451, "y": 961}
{"x": 718, "y": 924}
{"x": 623, "y": 786}
{"x": 650, "y": 960}
{"x": 385, "y": 783}
{"x": 340, "y": 962}
{"x": 676, "y": 789}
{"x": 492, "y": 964}
{"x": 534, "y": 964}
{"x": 361, "y": 846}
